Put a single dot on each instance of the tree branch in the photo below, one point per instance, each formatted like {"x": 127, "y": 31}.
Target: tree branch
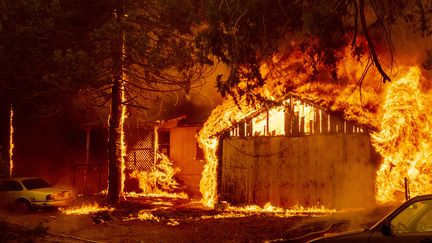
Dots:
{"x": 372, "y": 50}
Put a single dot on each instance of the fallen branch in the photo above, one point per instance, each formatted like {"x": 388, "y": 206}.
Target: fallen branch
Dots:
{"x": 72, "y": 237}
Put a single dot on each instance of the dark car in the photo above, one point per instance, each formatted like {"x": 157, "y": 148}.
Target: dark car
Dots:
{"x": 411, "y": 222}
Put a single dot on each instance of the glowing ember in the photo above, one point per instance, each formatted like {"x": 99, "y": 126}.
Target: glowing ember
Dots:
{"x": 86, "y": 209}
{"x": 250, "y": 210}
{"x": 145, "y": 215}
{"x": 173, "y": 222}
{"x": 163, "y": 203}
{"x": 180, "y": 195}
{"x": 11, "y": 142}
{"x": 404, "y": 140}
{"x": 297, "y": 209}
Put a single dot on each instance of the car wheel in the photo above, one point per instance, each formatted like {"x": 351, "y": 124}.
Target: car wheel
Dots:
{"x": 22, "y": 206}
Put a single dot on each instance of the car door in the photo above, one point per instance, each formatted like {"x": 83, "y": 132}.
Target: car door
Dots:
{"x": 10, "y": 191}
{"x": 411, "y": 224}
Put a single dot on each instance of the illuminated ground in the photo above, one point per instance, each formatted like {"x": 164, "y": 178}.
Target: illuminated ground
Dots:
{"x": 175, "y": 220}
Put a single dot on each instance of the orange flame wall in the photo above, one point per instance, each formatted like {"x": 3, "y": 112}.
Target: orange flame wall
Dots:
{"x": 404, "y": 139}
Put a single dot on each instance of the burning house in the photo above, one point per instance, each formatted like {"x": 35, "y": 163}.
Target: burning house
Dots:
{"x": 178, "y": 139}
{"x": 163, "y": 150}
{"x": 293, "y": 154}
{"x": 297, "y": 153}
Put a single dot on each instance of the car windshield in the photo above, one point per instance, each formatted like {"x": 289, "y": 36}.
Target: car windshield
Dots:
{"x": 35, "y": 183}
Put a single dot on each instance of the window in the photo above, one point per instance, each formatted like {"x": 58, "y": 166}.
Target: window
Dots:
{"x": 164, "y": 142}
{"x": 35, "y": 183}
{"x": 415, "y": 218}
{"x": 10, "y": 186}
{"x": 425, "y": 223}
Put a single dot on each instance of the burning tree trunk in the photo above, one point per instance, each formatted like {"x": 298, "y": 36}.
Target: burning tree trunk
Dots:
{"x": 4, "y": 140}
{"x": 115, "y": 142}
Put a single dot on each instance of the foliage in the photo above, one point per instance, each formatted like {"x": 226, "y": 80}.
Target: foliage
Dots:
{"x": 52, "y": 50}
{"x": 41, "y": 60}
{"x": 249, "y": 33}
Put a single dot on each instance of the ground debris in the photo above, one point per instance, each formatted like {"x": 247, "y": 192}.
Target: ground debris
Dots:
{"x": 308, "y": 231}
{"x": 172, "y": 220}
{"x": 101, "y": 217}
{"x": 15, "y": 233}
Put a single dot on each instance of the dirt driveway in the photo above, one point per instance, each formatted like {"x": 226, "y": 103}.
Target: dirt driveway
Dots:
{"x": 176, "y": 220}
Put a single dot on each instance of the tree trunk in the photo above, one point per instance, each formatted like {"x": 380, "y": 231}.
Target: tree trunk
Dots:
{"x": 115, "y": 142}
{"x": 4, "y": 138}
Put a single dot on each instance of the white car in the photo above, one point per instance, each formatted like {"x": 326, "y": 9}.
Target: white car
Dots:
{"x": 25, "y": 193}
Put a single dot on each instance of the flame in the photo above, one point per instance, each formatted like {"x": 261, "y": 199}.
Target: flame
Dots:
{"x": 276, "y": 121}
{"x": 86, "y": 209}
{"x": 175, "y": 195}
{"x": 290, "y": 77}
{"x": 404, "y": 126}
{"x": 122, "y": 137}
{"x": 229, "y": 113}
{"x": 296, "y": 209}
{"x": 404, "y": 139}
{"x": 160, "y": 179}
{"x": 237, "y": 212}
{"x": 11, "y": 142}
{"x": 123, "y": 117}
{"x": 259, "y": 124}
{"x": 221, "y": 118}
{"x": 147, "y": 215}
{"x": 143, "y": 215}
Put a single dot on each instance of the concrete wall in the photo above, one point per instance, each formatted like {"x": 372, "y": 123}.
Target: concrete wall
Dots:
{"x": 182, "y": 152}
{"x": 331, "y": 170}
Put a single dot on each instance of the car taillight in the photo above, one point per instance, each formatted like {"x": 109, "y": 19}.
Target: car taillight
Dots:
{"x": 49, "y": 197}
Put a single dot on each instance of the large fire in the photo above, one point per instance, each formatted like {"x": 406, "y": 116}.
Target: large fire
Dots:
{"x": 344, "y": 98}
{"x": 404, "y": 139}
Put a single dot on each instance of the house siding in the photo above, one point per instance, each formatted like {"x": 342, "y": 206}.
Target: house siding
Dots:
{"x": 183, "y": 151}
{"x": 333, "y": 170}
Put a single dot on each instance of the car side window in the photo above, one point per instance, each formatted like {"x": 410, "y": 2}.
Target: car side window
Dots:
{"x": 415, "y": 218}
{"x": 10, "y": 186}
{"x": 425, "y": 222}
